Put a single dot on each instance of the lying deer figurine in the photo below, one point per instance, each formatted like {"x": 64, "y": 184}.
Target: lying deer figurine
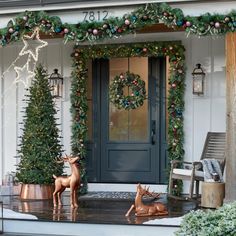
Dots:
{"x": 154, "y": 209}
{"x": 63, "y": 182}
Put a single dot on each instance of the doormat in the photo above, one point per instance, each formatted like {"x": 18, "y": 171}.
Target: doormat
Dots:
{"x": 108, "y": 195}
{"x": 112, "y": 196}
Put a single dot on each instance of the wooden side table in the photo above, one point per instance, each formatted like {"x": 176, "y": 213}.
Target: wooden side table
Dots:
{"x": 213, "y": 194}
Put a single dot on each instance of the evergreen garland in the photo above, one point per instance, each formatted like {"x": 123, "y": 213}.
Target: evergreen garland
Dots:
{"x": 175, "y": 52}
{"x": 146, "y": 15}
{"x": 79, "y": 108}
{"x": 40, "y": 145}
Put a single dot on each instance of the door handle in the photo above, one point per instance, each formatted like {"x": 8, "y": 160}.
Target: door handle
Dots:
{"x": 153, "y": 137}
{"x": 153, "y": 132}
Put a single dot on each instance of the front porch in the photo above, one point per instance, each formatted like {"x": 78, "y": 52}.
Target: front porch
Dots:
{"x": 95, "y": 216}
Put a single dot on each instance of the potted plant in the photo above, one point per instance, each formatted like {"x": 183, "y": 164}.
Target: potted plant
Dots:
{"x": 40, "y": 145}
{"x": 210, "y": 222}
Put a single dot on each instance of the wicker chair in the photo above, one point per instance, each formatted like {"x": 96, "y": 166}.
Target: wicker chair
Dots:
{"x": 214, "y": 147}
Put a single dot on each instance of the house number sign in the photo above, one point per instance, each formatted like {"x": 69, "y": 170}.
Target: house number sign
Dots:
{"x": 96, "y": 15}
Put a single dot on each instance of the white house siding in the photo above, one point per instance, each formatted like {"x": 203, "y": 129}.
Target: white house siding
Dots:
{"x": 57, "y": 55}
{"x": 202, "y": 113}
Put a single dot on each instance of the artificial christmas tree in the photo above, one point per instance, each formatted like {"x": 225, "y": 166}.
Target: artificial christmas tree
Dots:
{"x": 40, "y": 144}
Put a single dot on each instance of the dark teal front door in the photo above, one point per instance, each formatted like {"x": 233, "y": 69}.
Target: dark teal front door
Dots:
{"x": 127, "y": 146}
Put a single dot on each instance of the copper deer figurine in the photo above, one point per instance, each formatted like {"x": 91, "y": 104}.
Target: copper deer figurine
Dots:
{"x": 63, "y": 182}
{"x": 141, "y": 209}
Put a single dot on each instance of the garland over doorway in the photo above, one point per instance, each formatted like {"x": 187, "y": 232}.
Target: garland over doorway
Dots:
{"x": 173, "y": 50}
{"x": 146, "y": 15}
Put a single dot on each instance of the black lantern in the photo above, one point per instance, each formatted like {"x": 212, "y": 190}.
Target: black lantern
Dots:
{"x": 198, "y": 80}
{"x": 56, "y": 82}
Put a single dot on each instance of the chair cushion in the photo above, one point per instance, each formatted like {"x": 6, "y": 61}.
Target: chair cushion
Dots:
{"x": 187, "y": 172}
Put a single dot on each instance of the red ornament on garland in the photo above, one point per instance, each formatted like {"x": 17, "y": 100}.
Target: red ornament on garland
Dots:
{"x": 95, "y": 31}
{"x": 119, "y": 30}
{"x": 144, "y": 49}
{"x": 121, "y": 76}
{"x": 127, "y": 22}
{"x": 188, "y": 23}
{"x": 66, "y": 30}
{"x": 217, "y": 25}
{"x": 165, "y": 13}
{"x": 173, "y": 85}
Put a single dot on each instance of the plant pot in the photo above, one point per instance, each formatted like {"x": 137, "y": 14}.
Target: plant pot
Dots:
{"x": 36, "y": 192}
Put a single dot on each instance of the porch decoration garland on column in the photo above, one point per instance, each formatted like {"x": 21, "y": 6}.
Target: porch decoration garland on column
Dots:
{"x": 175, "y": 104}
{"x": 79, "y": 108}
{"x": 137, "y": 87}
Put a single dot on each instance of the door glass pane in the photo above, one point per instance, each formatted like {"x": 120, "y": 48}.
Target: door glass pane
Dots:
{"x": 129, "y": 125}
{"x": 90, "y": 100}
{"x": 138, "y": 122}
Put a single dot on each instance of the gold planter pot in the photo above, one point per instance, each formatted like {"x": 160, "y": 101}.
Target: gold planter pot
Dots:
{"x": 36, "y": 191}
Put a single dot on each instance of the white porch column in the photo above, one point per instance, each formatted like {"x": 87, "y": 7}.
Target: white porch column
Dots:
{"x": 231, "y": 117}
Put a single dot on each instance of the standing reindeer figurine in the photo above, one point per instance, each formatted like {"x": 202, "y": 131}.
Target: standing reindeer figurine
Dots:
{"x": 63, "y": 182}
{"x": 154, "y": 209}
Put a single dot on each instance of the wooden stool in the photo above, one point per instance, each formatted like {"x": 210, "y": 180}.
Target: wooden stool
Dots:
{"x": 213, "y": 194}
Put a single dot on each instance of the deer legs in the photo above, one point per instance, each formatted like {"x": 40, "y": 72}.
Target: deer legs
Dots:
{"x": 130, "y": 209}
{"x": 74, "y": 198}
{"x": 57, "y": 197}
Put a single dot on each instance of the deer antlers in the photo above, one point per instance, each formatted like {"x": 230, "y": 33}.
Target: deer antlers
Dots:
{"x": 71, "y": 159}
{"x": 145, "y": 191}
{"x": 151, "y": 194}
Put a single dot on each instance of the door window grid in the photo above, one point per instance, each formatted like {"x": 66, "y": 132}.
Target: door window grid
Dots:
{"x": 129, "y": 125}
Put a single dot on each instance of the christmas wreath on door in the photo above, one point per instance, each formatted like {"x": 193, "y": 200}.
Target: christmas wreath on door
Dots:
{"x": 136, "y": 95}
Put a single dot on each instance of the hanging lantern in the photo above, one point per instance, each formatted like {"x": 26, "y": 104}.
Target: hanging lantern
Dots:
{"x": 198, "y": 80}
{"x": 56, "y": 82}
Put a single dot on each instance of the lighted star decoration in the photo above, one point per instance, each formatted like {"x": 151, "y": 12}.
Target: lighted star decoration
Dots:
{"x": 32, "y": 44}
{"x": 23, "y": 74}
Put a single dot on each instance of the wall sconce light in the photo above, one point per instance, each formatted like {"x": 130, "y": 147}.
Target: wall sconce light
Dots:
{"x": 56, "y": 82}
{"x": 198, "y": 80}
